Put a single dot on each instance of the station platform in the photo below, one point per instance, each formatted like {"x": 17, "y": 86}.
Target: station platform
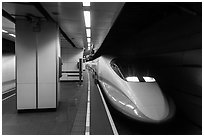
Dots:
{"x": 70, "y": 118}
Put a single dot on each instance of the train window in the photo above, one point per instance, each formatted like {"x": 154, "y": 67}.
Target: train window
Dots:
{"x": 132, "y": 71}
{"x": 123, "y": 69}
{"x": 117, "y": 70}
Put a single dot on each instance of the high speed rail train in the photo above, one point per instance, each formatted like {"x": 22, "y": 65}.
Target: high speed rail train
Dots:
{"x": 131, "y": 91}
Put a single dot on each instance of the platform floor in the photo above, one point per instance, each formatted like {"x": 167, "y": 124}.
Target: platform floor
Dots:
{"x": 71, "y": 116}
{"x": 68, "y": 119}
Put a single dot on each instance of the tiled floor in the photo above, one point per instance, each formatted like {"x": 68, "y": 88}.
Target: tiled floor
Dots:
{"x": 59, "y": 122}
{"x": 68, "y": 119}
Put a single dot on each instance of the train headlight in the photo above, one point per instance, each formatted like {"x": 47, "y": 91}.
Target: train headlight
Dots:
{"x": 132, "y": 79}
{"x": 149, "y": 79}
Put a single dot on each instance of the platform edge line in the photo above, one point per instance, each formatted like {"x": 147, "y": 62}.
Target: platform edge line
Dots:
{"x": 115, "y": 132}
{"x": 87, "y": 129}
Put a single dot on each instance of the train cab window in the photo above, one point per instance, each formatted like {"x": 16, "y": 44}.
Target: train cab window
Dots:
{"x": 128, "y": 69}
{"x": 117, "y": 70}
{"x": 123, "y": 68}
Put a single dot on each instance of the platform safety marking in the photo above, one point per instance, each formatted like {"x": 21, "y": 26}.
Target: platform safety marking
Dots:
{"x": 87, "y": 130}
{"x": 9, "y": 96}
{"x": 115, "y": 132}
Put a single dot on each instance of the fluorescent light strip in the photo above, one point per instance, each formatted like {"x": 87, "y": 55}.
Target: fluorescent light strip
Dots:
{"x": 4, "y": 31}
{"x": 89, "y": 45}
{"x": 87, "y": 19}
{"x": 88, "y": 40}
{"x": 88, "y": 32}
{"x": 86, "y": 3}
{"x": 12, "y": 35}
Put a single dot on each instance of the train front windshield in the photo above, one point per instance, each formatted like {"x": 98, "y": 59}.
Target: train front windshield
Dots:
{"x": 130, "y": 70}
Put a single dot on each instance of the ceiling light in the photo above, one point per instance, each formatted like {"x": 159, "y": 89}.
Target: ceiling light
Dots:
{"x": 88, "y": 40}
{"x": 88, "y": 32}
{"x": 89, "y": 48}
{"x": 89, "y": 45}
{"x": 4, "y": 31}
{"x": 149, "y": 79}
{"x": 86, "y": 3}
{"x": 132, "y": 79}
{"x": 12, "y": 35}
{"x": 87, "y": 19}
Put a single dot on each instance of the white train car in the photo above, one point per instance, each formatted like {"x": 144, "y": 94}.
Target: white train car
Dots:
{"x": 138, "y": 97}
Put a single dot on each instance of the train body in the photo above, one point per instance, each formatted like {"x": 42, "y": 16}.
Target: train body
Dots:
{"x": 137, "y": 95}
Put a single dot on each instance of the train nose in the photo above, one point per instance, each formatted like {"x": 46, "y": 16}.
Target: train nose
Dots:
{"x": 149, "y": 100}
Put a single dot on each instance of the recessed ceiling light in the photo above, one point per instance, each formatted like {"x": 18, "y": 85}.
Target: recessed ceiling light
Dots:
{"x": 88, "y": 32}
{"x": 87, "y": 19}
{"x": 88, "y": 40}
{"x": 86, "y": 3}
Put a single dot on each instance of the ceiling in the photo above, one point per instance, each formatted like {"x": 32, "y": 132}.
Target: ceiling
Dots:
{"x": 152, "y": 28}
{"x": 120, "y": 29}
{"x": 69, "y": 17}
{"x": 8, "y": 26}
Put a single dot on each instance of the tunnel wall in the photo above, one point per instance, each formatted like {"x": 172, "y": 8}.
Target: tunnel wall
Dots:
{"x": 173, "y": 47}
{"x": 180, "y": 75}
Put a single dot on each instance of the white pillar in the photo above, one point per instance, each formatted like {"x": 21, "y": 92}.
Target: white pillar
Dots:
{"x": 37, "y": 52}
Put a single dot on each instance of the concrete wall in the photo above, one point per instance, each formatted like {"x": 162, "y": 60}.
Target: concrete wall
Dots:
{"x": 70, "y": 57}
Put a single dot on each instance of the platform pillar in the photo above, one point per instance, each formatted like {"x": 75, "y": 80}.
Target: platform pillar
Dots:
{"x": 37, "y": 62}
